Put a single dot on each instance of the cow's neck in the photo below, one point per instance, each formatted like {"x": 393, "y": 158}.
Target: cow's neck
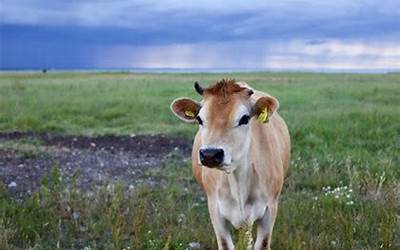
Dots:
{"x": 239, "y": 182}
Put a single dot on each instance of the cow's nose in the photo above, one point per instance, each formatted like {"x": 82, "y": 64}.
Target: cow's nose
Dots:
{"x": 211, "y": 157}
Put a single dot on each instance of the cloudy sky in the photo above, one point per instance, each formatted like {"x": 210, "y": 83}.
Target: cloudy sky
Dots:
{"x": 354, "y": 35}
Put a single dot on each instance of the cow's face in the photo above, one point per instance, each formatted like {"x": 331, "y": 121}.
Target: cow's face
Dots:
{"x": 224, "y": 117}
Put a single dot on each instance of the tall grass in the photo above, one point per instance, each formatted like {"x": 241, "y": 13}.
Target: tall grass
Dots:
{"x": 342, "y": 191}
{"x": 116, "y": 217}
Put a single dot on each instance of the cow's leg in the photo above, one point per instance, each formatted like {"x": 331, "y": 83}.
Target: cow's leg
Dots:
{"x": 265, "y": 226}
{"x": 221, "y": 228}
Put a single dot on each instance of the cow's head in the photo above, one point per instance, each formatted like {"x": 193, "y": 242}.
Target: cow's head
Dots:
{"x": 224, "y": 116}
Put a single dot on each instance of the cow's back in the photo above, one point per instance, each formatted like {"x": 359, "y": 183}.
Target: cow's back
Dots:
{"x": 280, "y": 129}
{"x": 275, "y": 131}
{"x": 270, "y": 153}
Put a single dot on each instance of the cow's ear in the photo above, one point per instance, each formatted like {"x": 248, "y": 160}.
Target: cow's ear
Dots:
{"x": 265, "y": 107}
{"x": 185, "y": 109}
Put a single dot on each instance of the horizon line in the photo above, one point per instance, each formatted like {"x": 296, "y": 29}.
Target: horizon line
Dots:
{"x": 201, "y": 70}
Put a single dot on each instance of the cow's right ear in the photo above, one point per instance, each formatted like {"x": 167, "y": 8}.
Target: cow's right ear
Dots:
{"x": 185, "y": 109}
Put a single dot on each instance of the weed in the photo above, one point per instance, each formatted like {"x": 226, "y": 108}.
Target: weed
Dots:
{"x": 342, "y": 189}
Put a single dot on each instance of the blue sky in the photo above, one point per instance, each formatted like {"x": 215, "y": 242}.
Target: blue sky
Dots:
{"x": 281, "y": 34}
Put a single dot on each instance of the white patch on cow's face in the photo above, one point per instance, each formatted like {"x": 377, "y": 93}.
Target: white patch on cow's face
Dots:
{"x": 233, "y": 139}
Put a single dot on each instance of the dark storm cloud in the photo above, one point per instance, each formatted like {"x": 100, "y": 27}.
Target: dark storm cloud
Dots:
{"x": 96, "y": 28}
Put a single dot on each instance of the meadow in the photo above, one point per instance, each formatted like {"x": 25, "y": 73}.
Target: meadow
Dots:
{"x": 342, "y": 190}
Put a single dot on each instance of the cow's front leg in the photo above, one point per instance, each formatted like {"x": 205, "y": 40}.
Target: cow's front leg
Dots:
{"x": 265, "y": 226}
{"x": 221, "y": 227}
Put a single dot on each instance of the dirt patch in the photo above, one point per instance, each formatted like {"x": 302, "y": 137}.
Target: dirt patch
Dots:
{"x": 26, "y": 157}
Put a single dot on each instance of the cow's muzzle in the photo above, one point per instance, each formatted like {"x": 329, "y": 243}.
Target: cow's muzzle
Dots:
{"x": 211, "y": 157}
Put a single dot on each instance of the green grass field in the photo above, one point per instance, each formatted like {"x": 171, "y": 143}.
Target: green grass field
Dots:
{"x": 342, "y": 192}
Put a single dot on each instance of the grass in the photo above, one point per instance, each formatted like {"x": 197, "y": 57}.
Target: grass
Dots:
{"x": 342, "y": 192}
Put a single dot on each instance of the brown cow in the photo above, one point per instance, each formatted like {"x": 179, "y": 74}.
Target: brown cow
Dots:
{"x": 240, "y": 156}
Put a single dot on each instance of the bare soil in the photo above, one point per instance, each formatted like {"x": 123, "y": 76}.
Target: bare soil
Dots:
{"x": 95, "y": 160}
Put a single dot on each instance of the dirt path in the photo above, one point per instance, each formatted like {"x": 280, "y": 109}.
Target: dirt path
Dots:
{"x": 26, "y": 157}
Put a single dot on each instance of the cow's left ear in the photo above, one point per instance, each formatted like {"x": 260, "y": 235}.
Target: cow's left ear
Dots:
{"x": 185, "y": 109}
{"x": 265, "y": 107}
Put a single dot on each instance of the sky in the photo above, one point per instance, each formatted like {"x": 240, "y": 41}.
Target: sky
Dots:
{"x": 316, "y": 35}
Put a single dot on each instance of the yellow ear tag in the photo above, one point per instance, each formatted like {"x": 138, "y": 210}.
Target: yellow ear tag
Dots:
{"x": 263, "y": 116}
{"x": 189, "y": 113}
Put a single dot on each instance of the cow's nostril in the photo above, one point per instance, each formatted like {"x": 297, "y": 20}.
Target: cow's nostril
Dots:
{"x": 219, "y": 156}
{"x": 202, "y": 156}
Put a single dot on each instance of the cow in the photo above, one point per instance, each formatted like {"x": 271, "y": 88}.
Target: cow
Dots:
{"x": 240, "y": 156}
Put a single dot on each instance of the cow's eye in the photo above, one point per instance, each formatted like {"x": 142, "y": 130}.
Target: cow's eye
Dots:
{"x": 199, "y": 120}
{"x": 244, "y": 120}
